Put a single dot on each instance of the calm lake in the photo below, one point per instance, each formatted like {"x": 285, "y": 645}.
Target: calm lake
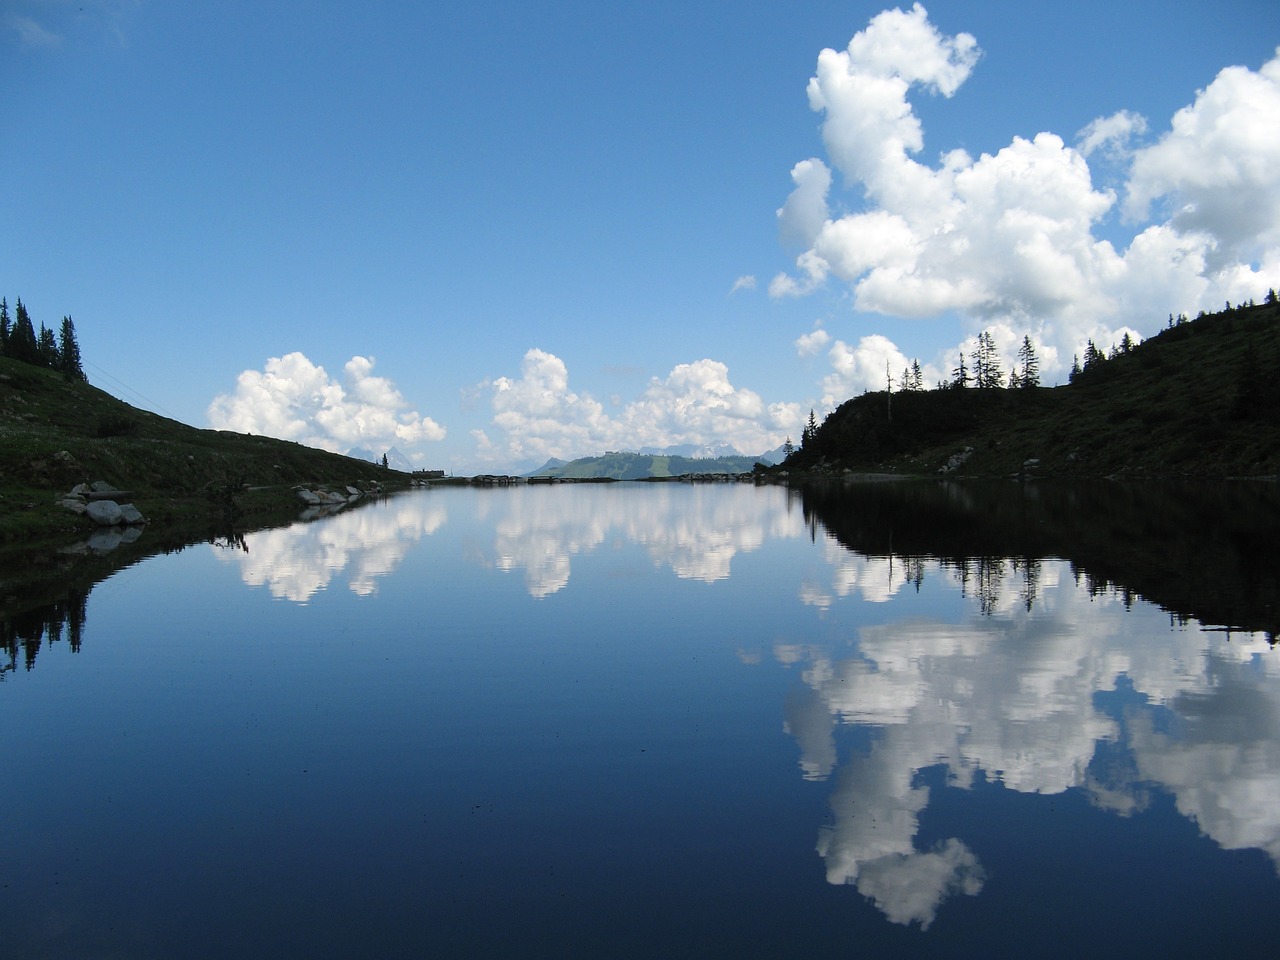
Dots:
{"x": 663, "y": 720}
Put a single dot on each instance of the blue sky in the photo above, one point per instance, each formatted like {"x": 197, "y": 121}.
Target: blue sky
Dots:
{"x": 491, "y": 233}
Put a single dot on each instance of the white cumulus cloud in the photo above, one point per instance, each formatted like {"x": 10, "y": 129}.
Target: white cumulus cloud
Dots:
{"x": 1010, "y": 239}
{"x": 863, "y": 366}
{"x": 539, "y": 416}
{"x": 292, "y": 398}
{"x": 1111, "y": 134}
{"x": 808, "y": 344}
{"x": 1218, "y": 167}
{"x": 800, "y": 219}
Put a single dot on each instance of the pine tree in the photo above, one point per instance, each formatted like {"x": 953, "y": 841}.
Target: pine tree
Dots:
{"x": 810, "y": 429}
{"x": 995, "y": 375}
{"x": 4, "y": 327}
{"x": 47, "y": 348}
{"x": 960, "y": 375}
{"x": 1029, "y": 376}
{"x": 917, "y": 376}
{"x": 22, "y": 338}
{"x": 986, "y": 362}
{"x": 69, "y": 352}
{"x": 1092, "y": 355}
{"x": 978, "y": 356}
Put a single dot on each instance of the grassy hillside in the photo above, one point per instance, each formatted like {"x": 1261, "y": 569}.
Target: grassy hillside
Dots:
{"x": 1201, "y": 399}
{"x": 641, "y": 466}
{"x": 55, "y": 434}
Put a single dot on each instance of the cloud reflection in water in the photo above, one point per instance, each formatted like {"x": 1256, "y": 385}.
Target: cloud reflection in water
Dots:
{"x": 1013, "y": 691}
{"x": 541, "y": 530}
{"x": 298, "y": 561}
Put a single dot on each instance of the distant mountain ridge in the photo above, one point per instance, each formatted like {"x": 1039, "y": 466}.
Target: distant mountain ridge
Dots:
{"x": 695, "y": 451}
{"x": 642, "y": 466}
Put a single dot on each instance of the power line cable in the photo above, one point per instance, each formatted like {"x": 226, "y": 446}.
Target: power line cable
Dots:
{"x": 124, "y": 386}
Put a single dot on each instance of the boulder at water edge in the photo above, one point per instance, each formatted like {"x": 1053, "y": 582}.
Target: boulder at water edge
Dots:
{"x": 105, "y": 513}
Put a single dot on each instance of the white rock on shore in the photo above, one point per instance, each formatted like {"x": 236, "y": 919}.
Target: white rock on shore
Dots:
{"x": 94, "y": 501}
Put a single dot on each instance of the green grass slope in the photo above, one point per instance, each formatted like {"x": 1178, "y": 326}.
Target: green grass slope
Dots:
{"x": 55, "y": 434}
{"x": 1200, "y": 399}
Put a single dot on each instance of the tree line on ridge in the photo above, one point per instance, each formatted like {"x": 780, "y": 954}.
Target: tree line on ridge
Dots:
{"x": 20, "y": 341}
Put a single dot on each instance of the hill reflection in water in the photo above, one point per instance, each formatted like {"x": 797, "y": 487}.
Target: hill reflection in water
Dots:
{"x": 1017, "y": 706}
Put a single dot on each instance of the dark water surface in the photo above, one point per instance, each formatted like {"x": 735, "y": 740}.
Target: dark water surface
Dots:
{"x": 663, "y": 721}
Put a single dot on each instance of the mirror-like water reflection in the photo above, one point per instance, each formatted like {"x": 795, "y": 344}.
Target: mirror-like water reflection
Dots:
{"x": 663, "y": 720}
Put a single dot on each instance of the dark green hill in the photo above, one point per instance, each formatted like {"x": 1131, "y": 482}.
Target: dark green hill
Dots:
{"x": 1200, "y": 399}
{"x": 643, "y": 466}
{"x": 55, "y": 433}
